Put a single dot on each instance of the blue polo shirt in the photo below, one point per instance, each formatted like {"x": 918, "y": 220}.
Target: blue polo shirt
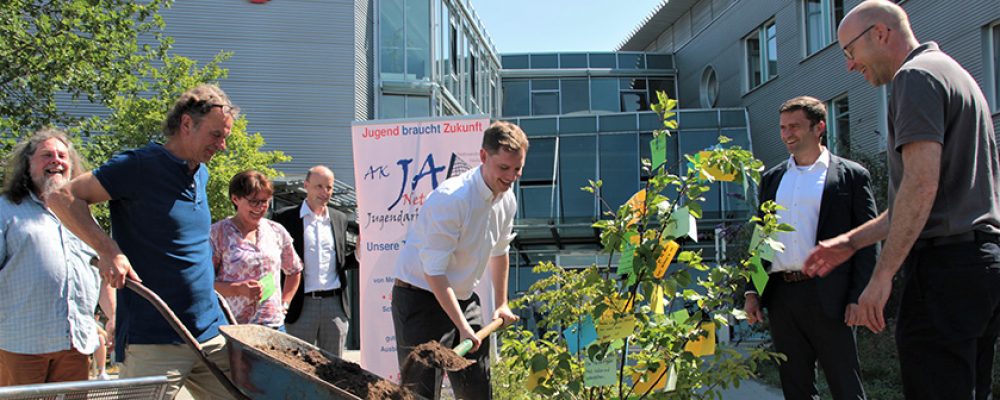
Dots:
{"x": 161, "y": 221}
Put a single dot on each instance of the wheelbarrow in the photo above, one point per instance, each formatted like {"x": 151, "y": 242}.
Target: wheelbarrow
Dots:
{"x": 258, "y": 375}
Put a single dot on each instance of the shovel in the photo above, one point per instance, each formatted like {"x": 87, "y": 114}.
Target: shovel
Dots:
{"x": 435, "y": 355}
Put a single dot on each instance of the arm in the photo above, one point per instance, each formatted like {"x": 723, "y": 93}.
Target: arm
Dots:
{"x": 445, "y": 296}
{"x": 106, "y": 299}
{"x": 830, "y": 253}
{"x": 912, "y": 207}
{"x": 291, "y": 285}
{"x": 499, "y": 266}
{"x": 71, "y": 204}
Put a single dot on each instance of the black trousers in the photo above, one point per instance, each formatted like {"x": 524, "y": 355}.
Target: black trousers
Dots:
{"x": 418, "y": 318}
{"x": 948, "y": 321}
{"x": 806, "y": 334}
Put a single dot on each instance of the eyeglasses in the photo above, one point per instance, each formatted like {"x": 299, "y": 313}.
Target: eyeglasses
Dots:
{"x": 257, "y": 203}
{"x": 202, "y": 107}
{"x": 847, "y": 53}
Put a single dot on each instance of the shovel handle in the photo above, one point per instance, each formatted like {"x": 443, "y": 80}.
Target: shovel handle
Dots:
{"x": 466, "y": 344}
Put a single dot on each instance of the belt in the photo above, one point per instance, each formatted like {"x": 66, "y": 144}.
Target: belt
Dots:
{"x": 792, "y": 276}
{"x": 325, "y": 293}
{"x": 967, "y": 237}
{"x": 404, "y": 285}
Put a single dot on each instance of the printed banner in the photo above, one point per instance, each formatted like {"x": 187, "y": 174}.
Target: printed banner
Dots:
{"x": 397, "y": 164}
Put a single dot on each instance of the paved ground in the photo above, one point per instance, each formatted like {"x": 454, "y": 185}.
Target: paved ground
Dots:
{"x": 748, "y": 390}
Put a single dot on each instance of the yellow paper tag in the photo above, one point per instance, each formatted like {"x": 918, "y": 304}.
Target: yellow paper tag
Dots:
{"x": 638, "y": 203}
{"x": 535, "y": 378}
{"x": 666, "y": 257}
{"x": 704, "y": 345}
{"x": 653, "y": 380}
{"x": 611, "y": 329}
{"x": 716, "y": 173}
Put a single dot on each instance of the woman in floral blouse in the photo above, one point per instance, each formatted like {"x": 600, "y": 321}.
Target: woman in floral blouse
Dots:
{"x": 249, "y": 252}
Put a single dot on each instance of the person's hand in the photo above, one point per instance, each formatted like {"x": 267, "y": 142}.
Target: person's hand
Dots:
{"x": 115, "y": 268}
{"x": 466, "y": 332}
{"x": 249, "y": 288}
{"x": 109, "y": 327}
{"x": 752, "y": 308}
{"x": 504, "y": 312}
{"x": 852, "y": 315}
{"x": 872, "y": 303}
{"x": 827, "y": 255}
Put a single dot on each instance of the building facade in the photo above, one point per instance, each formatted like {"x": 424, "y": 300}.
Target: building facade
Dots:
{"x": 588, "y": 118}
{"x": 757, "y": 54}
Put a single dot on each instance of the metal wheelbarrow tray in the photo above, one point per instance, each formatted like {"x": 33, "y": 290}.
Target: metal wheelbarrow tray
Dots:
{"x": 296, "y": 372}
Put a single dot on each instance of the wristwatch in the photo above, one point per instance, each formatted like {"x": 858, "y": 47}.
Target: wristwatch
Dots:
{"x": 284, "y": 307}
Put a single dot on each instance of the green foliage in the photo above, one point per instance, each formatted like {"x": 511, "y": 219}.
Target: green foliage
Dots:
{"x": 84, "y": 48}
{"x": 643, "y": 226}
{"x": 242, "y": 153}
{"x": 88, "y": 49}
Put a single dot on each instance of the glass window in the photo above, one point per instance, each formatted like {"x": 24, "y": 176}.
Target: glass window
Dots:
{"x": 515, "y": 98}
{"x": 539, "y": 162}
{"x": 418, "y": 106}
{"x": 618, "y": 123}
{"x": 544, "y": 61}
{"x": 575, "y": 96}
{"x": 538, "y": 127}
{"x": 634, "y": 101}
{"x": 699, "y": 119}
{"x": 602, "y": 60}
{"x": 838, "y": 127}
{"x": 536, "y": 201}
{"x": 544, "y": 103}
{"x": 545, "y": 84}
{"x": 821, "y": 20}
{"x": 733, "y": 118}
{"x": 453, "y": 49}
{"x": 619, "y": 172}
{"x": 418, "y": 40}
{"x": 577, "y": 124}
{"x": 659, "y": 61}
{"x": 761, "y": 55}
{"x": 650, "y": 121}
{"x": 473, "y": 76}
{"x": 391, "y": 38}
{"x": 514, "y": 62}
{"x": 577, "y": 164}
{"x": 631, "y": 61}
{"x": 392, "y": 106}
{"x": 709, "y": 87}
{"x": 661, "y": 85}
{"x": 604, "y": 95}
{"x": 573, "y": 60}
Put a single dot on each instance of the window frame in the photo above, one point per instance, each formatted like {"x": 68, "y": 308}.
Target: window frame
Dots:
{"x": 829, "y": 19}
{"x": 834, "y": 136}
{"x": 760, "y": 34}
{"x": 992, "y": 58}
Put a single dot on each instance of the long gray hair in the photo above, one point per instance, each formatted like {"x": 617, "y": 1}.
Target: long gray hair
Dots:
{"x": 17, "y": 183}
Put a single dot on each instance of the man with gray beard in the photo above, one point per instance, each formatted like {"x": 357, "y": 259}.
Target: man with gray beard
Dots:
{"x": 48, "y": 290}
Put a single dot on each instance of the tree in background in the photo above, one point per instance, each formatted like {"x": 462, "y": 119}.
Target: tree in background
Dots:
{"x": 63, "y": 54}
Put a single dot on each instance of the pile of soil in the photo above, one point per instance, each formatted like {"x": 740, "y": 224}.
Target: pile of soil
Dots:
{"x": 343, "y": 374}
{"x": 435, "y": 355}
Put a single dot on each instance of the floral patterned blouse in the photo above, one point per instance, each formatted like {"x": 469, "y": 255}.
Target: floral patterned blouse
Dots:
{"x": 236, "y": 259}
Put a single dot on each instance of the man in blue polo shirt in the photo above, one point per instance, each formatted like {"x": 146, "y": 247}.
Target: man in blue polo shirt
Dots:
{"x": 160, "y": 221}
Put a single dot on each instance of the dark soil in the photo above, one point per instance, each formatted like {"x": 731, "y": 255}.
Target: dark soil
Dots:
{"x": 435, "y": 355}
{"x": 343, "y": 374}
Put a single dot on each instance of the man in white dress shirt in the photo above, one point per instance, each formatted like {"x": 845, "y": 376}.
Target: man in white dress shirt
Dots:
{"x": 465, "y": 225}
{"x": 823, "y": 196}
{"x": 319, "y": 313}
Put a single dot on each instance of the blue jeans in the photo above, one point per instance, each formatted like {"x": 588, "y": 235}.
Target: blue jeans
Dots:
{"x": 949, "y": 319}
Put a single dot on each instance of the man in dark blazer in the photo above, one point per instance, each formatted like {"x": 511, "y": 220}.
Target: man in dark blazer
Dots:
{"x": 320, "y": 311}
{"x": 824, "y": 196}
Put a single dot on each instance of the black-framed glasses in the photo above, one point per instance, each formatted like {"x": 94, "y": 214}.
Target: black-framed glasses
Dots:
{"x": 847, "y": 53}
{"x": 257, "y": 203}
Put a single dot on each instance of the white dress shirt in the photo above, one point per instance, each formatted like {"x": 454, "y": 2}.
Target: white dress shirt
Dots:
{"x": 319, "y": 251}
{"x": 459, "y": 228}
{"x": 800, "y": 192}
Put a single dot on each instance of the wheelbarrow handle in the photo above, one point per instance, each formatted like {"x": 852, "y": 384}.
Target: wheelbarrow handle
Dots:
{"x": 175, "y": 323}
{"x": 466, "y": 344}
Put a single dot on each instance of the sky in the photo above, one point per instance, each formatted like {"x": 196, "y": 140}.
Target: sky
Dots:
{"x": 526, "y": 26}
